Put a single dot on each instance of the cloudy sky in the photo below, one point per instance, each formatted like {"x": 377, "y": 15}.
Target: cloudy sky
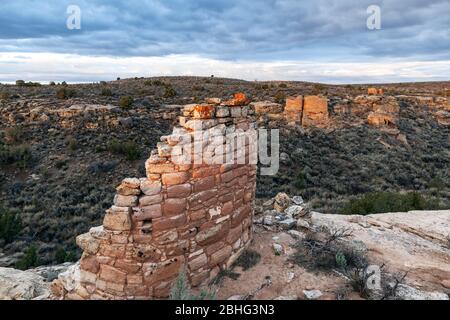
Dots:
{"x": 307, "y": 40}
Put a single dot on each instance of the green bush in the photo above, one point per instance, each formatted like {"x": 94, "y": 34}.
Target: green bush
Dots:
{"x": 30, "y": 260}
{"x": 300, "y": 181}
{"x": 383, "y": 202}
{"x": 169, "y": 92}
{"x": 10, "y": 225}
{"x": 148, "y": 83}
{"x": 72, "y": 144}
{"x": 180, "y": 290}
{"x": 282, "y": 85}
{"x": 64, "y": 93}
{"x": 61, "y": 256}
{"x": 106, "y": 92}
{"x": 158, "y": 83}
{"x": 129, "y": 149}
{"x": 4, "y": 95}
{"x": 14, "y": 134}
{"x": 20, "y": 83}
{"x": 248, "y": 259}
{"x": 126, "y": 102}
{"x": 52, "y": 83}
{"x": 17, "y": 155}
{"x": 280, "y": 97}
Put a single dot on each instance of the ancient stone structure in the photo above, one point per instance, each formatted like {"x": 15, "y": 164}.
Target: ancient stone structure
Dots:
{"x": 307, "y": 111}
{"x": 375, "y": 91}
{"x": 193, "y": 211}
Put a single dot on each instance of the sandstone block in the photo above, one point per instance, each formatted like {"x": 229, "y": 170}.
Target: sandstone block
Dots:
{"x": 171, "y": 179}
{"x": 89, "y": 263}
{"x": 204, "y": 111}
{"x": 220, "y": 256}
{"x": 155, "y": 273}
{"x": 204, "y": 184}
{"x": 174, "y": 206}
{"x": 167, "y": 223}
{"x": 149, "y": 212}
{"x": 125, "y": 201}
{"x": 212, "y": 234}
{"x": 111, "y": 274}
{"x": 150, "y": 200}
{"x": 117, "y": 221}
{"x": 179, "y": 191}
{"x": 88, "y": 243}
{"x": 198, "y": 262}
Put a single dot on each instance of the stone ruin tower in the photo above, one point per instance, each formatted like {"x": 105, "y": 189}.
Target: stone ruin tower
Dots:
{"x": 193, "y": 215}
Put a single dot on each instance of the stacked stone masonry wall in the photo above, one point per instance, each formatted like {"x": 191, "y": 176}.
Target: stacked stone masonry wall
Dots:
{"x": 195, "y": 216}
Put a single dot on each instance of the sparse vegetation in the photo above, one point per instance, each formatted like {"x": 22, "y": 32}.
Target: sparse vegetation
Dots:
{"x": 129, "y": 149}
{"x": 169, "y": 92}
{"x": 20, "y": 156}
{"x": 14, "y": 135}
{"x": 327, "y": 251}
{"x": 4, "y": 95}
{"x": 181, "y": 290}
{"x": 64, "y": 93}
{"x": 106, "y": 92}
{"x": 248, "y": 260}
{"x": 29, "y": 260}
{"x": 382, "y": 202}
{"x": 280, "y": 97}
{"x": 10, "y": 225}
{"x": 126, "y": 102}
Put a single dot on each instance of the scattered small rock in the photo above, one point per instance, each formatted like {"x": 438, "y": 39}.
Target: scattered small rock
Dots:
{"x": 278, "y": 249}
{"x": 312, "y": 294}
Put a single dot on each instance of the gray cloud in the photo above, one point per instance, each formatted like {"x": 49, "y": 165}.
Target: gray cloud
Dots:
{"x": 228, "y": 29}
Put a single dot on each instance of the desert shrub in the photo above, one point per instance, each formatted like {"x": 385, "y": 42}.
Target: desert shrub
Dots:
{"x": 17, "y": 155}
{"x": 61, "y": 256}
{"x": 29, "y": 260}
{"x": 102, "y": 167}
{"x": 52, "y": 83}
{"x": 64, "y": 84}
{"x": 248, "y": 260}
{"x": 148, "y": 83}
{"x": 181, "y": 290}
{"x": 341, "y": 260}
{"x": 103, "y": 83}
{"x": 126, "y": 102}
{"x": 280, "y": 97}
{"x": 10, "y": 225}
{"x": 118, "y": 79}
{"x": 317, "y": 252}
{"x": 72, "y": 144}
{"x": 436, "y": 183}
{"x": 64, "y": 93}
{"x": 282, "y": 85}
{"x": 169, "y": 92}
{"x": 20, "y": 83}
{"x": 106, "y": 92}
{"x": 129, "y": 149}
{"x": 300, "y": 181}
{"x": 158, "y": 83}
{"x": 4, "y": 95}
{"x": 14, "y": 134}
{"x": 383, "y": 202}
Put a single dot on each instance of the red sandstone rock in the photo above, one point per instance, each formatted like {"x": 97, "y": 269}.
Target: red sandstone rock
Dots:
{"x": 380, "y": 119}
{"x": 203, "y": 111}
{"x": 294, "y": 109}
{"x": 174, "y": 206}
{"x": 170, "y": 179}
{"x": 118, "y": 221}
{"x": 112, "y": 274}
{"x": 239, "y": 99}
{"x": 315, "y": 111}
{"x": 220, "y": 256}
{"x": 375, "y": 91}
